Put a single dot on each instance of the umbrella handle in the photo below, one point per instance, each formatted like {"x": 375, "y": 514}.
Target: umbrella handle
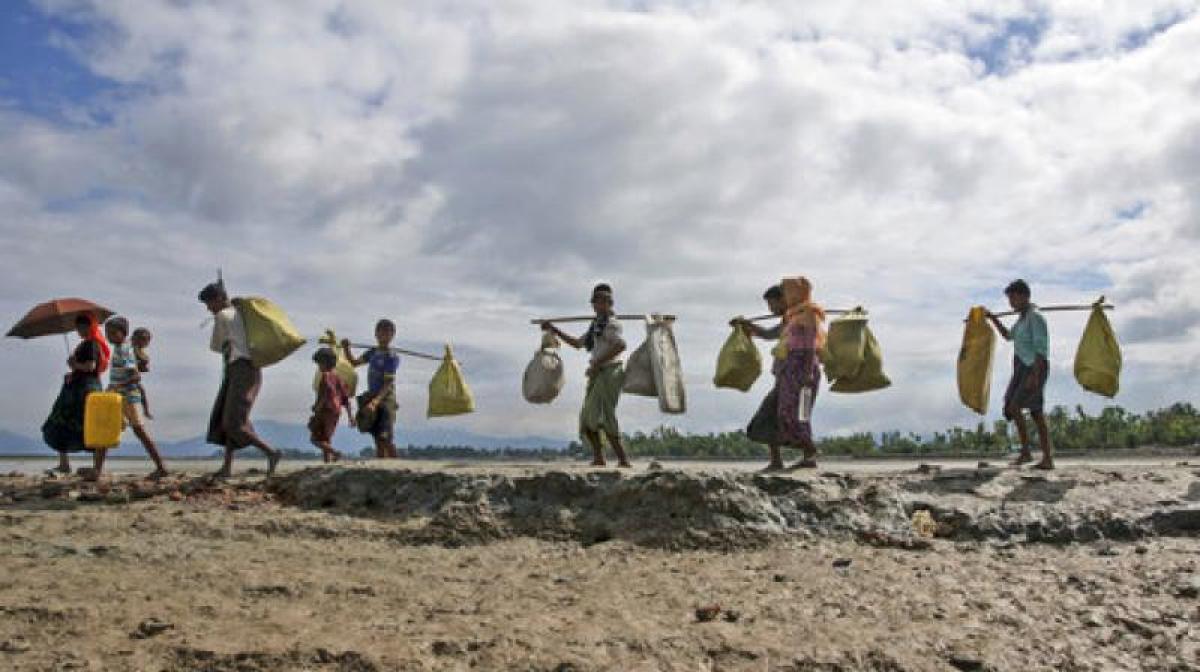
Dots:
{"x": 67, "y": 344}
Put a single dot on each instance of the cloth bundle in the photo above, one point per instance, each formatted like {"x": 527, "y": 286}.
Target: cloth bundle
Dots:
{"x": 852, "y": 357}
{"x": 739, "y": 364}
{"x": 448, "y": 390}
{"x": 1098, "y": 357}
{"x": 544, "y": 375}
{"x": 975, "y": 361}
{"x": 269, "y": 332}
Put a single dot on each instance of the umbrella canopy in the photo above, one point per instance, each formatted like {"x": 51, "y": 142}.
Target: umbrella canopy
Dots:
{"x": 56, "y": 317}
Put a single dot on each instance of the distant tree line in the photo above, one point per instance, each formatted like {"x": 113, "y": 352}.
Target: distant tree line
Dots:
{"x": 1114, "y": 429}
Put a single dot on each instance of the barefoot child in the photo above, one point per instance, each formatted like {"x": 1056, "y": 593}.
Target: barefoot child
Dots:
{"x": 140, "y": 338}
{"x": 378, "y": 405}
{"x": 605, "y": 376}
{"x": 332, "y": 397}
{"x": 124, "y": 378}
{"x": 1031, "y": 367}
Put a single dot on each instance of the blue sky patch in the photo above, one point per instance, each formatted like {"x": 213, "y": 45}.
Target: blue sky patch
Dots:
{"x": 1012, "y": 37}
{"x": 1139, "y": 38}
{"x": 1134, "y": 210}
{"x": 37, "y": 77}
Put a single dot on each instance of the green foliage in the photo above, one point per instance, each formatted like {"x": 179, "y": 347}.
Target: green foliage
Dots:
{"x": 1113, "y": 429}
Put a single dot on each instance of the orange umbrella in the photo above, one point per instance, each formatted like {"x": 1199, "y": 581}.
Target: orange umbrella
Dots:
{"x": 56, "y": 317}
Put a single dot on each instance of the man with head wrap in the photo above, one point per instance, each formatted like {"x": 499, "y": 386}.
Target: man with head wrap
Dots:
{"x": 230, "y": 426}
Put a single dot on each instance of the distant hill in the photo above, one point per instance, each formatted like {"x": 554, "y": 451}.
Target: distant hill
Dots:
{"x": 12, "y": 443}
{"x": 285, "y": 435}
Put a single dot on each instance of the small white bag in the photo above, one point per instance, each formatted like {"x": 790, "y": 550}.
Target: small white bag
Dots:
{"x": 639, "y": 373}
{"x": 544, "y": 376}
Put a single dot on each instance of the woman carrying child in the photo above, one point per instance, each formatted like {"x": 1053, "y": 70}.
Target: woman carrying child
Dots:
{"x": 126, "y": 379}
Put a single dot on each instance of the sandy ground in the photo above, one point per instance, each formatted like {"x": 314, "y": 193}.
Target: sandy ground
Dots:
{"x": 228, "y": 578}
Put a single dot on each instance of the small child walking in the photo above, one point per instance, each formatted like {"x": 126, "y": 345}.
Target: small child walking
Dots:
{"x": 140, "y": 339}
{"x": 332, "y": 397}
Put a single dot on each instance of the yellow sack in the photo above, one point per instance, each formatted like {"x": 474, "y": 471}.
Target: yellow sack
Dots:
{"x": 103, "y": 420}
{"x": 975, "y": 361}
{"x": 269, "y": 333}
{"x": 1098, "y": 359}
{"x": 870, "y": 376}
{"x": 845, "y": 346}
{"x": 343, "y": 369}
{"x": 739, "y": 363}
{"x": 448, "y": 391}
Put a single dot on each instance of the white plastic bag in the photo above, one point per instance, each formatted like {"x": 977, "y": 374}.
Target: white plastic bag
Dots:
{"x": 544, "y": 376}
{"x": 639, "y": 373}
{"x": 668, "y": 371}
{"x": 653, "y": 370}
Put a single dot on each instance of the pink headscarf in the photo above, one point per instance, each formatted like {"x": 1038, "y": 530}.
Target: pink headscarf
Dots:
{"x": 801, "y": 310}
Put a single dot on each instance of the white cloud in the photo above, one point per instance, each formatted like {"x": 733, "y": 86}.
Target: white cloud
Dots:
{"x": 464, "y": 166}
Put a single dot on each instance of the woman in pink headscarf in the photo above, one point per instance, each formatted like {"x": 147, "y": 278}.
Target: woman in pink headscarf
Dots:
{"x": 798, "y": 368}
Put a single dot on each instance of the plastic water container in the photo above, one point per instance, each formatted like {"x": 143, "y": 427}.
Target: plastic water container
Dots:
{"x": 102, "y": 420}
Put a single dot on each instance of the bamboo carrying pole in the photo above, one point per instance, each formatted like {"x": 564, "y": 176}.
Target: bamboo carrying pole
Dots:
{"x": 830, "y": 311}
{"x": 1057, "y": 309}
{"x": 589, "y": 318}
{"x": 402, "y": 351}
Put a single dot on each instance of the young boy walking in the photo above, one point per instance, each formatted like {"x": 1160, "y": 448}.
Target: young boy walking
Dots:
{"x": 125, "y": 379}
{"x": 605, "y": 376}
{"x": 1031, "y": 368}
{"x": 378, "y": 406}
{"x": 332, "y": 397}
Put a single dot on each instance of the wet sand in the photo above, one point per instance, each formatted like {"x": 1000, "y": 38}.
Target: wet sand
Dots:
{"x": 188, "y": 575}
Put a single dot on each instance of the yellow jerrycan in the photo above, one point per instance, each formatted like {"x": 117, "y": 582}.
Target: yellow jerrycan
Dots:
{"x": 103, "y": 420}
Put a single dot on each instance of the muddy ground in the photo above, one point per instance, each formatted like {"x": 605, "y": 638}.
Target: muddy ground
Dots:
{"x": 360, "y": 568}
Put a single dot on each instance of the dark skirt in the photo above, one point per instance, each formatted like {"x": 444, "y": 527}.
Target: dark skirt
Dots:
{"x": 381, "y": 422}
{"x": 63, "y": 429}
{"x": 229, "y": 425}
{"x": 764, "y": 426}
{"x": 799, "y": 372}
{"x": 1019, "y": 397}
{"x": 322, "y": 424}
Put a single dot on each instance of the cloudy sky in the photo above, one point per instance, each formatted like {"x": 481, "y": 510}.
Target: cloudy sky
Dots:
{"x": 465, "y": 165}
